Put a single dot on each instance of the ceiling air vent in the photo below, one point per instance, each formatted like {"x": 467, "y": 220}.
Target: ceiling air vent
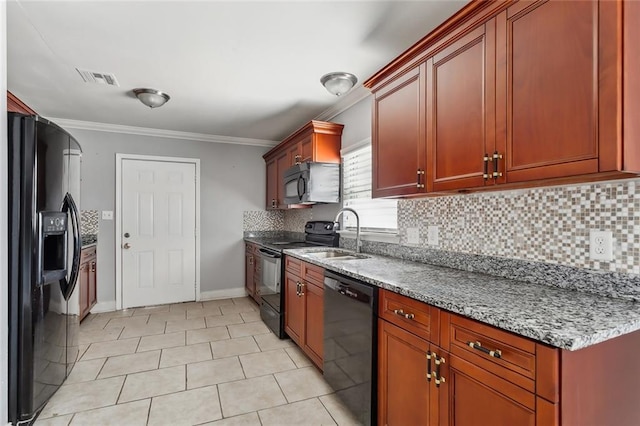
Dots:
{"x": 98, "y": 77}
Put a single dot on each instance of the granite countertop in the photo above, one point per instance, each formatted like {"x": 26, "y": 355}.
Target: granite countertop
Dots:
{"x": 269, "y": 241}
{"x": 89, "y": 240}
{"x": 562, "y": 318}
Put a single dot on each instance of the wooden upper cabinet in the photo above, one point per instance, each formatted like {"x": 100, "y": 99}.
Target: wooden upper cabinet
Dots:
{"x": 272, "y": 184}
{"x": 316, "y": 141}
{"x": 16, "y": 105}
{"x": 398, "y": 136}
{"x": 544, "y": 88}
{"x": 549, "y": 89}
{"x": 461, "y": 111}
{"x": 282, "y": 162}
{"x": 302, "y": 151}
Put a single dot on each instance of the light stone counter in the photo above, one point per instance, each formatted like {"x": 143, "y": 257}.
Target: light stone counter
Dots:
{"x": 562, "y": 318}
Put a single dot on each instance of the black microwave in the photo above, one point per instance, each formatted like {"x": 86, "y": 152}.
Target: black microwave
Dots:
{"x": 311, "y": 182}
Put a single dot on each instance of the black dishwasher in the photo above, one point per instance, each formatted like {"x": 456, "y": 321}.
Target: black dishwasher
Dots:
{"x": 350, "y": 342}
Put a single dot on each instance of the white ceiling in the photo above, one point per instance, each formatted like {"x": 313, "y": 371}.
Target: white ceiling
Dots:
{"x": 232, "y": 68}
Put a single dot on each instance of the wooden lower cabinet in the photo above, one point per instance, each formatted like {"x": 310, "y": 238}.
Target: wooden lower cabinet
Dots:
{"x": 252, "y": 271}
{"x": 294, "y": 309}
{"x": 489, "y": 376}
{"x": 476, "y": 397}
{"x": 314, "y": 320}
{"x": 304, "y": 307}
{"x": 405, "y": 397}
{"x": 87, "y": 280}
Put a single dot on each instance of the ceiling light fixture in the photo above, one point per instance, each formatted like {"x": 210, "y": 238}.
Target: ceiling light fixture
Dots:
{"x": 151, "y": 97}
{"x": 338, "y": 83}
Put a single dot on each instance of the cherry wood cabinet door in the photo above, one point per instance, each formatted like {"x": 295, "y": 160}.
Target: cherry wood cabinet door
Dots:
{"x": 461, "y": 111}
{"x": 272, "y": 184}
{"x": 283, "y": 164}
{"x": 314, "y": 317}
{"x": 293, "y": 309}
{"x": 93, "y": 273}
{"x": 294, "y": 155}
{"x": 405, "y": 397}
{"x": 398, "y": 136}
{"x": 548, "y": 88}
{"x": 307, "y": 152}
{"x": 84, "y": 289}
{"x": 477, "y": 397}
{"x": 249, "y": 268}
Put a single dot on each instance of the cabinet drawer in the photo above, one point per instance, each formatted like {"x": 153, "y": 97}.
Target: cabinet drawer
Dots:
{"x": 87, "y": 254}
{"x": 293, "y": 265}
{"x": 411, "y": 315}
{"x": 500, "y": 352}
{"x": 314, "y": 274}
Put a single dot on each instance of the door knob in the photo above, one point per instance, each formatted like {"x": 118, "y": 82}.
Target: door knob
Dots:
{"x": 126, "y": 246}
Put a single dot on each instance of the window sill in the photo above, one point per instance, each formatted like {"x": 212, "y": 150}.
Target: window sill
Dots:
{"x": 381, "y": 237}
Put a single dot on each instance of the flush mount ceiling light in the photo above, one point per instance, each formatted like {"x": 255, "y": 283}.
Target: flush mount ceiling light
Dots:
{"x": 338, "y": 83}
{"x": 151, "y": 97}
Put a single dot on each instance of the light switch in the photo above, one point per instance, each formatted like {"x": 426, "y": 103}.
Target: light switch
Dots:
{"x": 107, "y": 215}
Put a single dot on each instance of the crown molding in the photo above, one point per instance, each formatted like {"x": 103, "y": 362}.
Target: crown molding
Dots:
{"x": 347, "y": 101}
{"x": 159, "y": 133}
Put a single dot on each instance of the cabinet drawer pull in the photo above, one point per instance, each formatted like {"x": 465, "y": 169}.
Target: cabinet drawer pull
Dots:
{"x": 485, "y": 175}
{"x": 476, "y": 345}
{"x": 93, "y": 267}
{"x": 420, "y": 173}
{"x": 428, "y": 366}
{"x": 302, "y": 289}
{"x": 496, "y": 173}
{"x": 436, "y": 375}
{"x": 403, "y": 314}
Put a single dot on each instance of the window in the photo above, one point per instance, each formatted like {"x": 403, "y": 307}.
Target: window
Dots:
{"x": 376, "y": 215}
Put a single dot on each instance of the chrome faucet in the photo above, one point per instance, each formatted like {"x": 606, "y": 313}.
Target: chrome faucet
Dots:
{"x": 347, "y": 209}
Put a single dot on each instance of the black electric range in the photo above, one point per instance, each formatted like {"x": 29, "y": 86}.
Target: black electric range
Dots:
{"x": 317, "y": 233}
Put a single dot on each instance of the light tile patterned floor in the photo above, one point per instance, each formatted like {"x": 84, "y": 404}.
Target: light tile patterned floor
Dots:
{"x": 197, "y": 363}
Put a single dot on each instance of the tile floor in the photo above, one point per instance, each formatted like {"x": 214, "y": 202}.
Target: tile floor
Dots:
{"x": 213, "y": 363}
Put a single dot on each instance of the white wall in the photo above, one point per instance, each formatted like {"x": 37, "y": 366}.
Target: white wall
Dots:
{"x": 232, "y": 181}
{"x": 4, "y": 275}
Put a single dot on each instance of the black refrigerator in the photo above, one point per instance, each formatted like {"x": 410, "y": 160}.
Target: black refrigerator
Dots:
{"x": 44, "y": 255}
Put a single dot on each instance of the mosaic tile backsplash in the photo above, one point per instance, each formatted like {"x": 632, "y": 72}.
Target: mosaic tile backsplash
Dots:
{"x": 89, "y": 222}
{"x": 295, "y": 219}
{"x": 548, "y": 225}
{"x": 263, "y": 220}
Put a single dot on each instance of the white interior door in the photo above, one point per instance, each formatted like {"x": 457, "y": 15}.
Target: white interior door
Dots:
{"x": 158, "y": 230}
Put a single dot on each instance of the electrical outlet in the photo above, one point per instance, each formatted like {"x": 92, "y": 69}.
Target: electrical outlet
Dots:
{"x": 107, "y": 215}
{"x": 413, "y": 236}
{"x": 432, "y": 235}
{"x": 600, "y": 245}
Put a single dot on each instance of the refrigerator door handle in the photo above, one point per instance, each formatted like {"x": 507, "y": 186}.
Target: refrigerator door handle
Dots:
{"x": 68, "y": 285}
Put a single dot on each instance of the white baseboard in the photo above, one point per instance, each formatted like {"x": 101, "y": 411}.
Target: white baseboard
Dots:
{"x": 223, "y": 294}
{"x": 108, "y": 306}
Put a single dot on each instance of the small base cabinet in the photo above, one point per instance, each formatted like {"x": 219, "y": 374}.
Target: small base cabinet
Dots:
{"x": 252, "y": 271}
{"x": 87, "y": 280}
{"x": 304, "y": 307}
{"x": 439, "y": 368}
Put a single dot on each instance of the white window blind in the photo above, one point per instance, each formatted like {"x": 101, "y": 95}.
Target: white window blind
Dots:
{"x": 377, "y": 215}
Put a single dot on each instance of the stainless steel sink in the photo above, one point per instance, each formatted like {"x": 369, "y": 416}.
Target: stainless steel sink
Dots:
{"x": 337, "y": 255}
